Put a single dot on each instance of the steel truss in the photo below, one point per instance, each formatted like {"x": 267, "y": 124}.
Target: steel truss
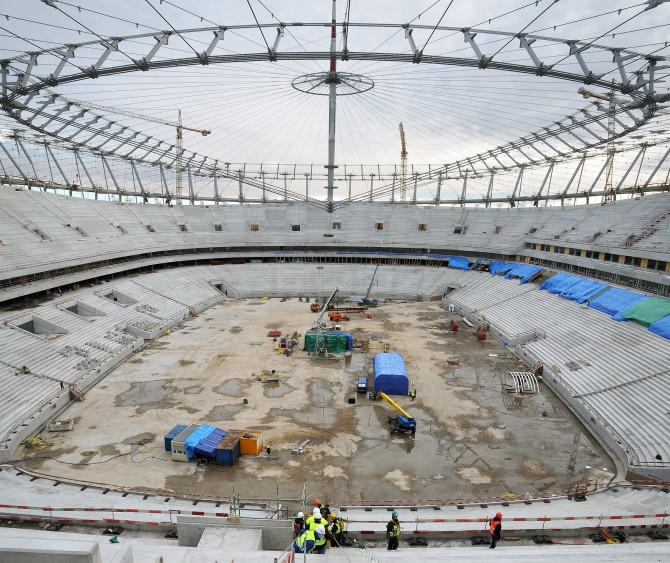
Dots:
{"x": 25, "y": 173}
{"x": 26, "y": 97}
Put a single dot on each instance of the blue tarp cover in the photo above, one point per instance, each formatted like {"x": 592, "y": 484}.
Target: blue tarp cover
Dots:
{"x": 500, "y": 267}
{"x": 207, "y": 445}
{"x": 582, "y": 290}
{"x": 389, "y": 374}
{"x": 523, "y": 271}
{"x": 661, "y": 327}
{"x": 460, "y": 262}
{"x": 198, "y": 434}
{"x": 560, "y": 283}
{"x": 615, "y": 300}
{"x": 475, "y": 264}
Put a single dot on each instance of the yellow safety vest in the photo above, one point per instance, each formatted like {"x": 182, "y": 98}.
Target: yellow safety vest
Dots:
{"x": 313, "y": 524}
{"x": 303, "y": 538}
{"x": 395, "y": 532}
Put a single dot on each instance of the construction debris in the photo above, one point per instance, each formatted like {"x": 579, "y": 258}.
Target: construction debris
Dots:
{"x": 60, "y": 425}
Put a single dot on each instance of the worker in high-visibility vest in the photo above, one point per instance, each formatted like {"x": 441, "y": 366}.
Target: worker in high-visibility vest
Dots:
{"x": 315, "y": 520}
{"x": 495, "y": 527}
{"x": 320, "y": 540}
{"x": 334, "y": 531}
{"x": 393, "y": 531}
{"x": 310, "y": 519}
{"x": 304, "y": 543}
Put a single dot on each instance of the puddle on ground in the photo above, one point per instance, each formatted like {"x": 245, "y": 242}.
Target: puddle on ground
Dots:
{"x": 223, "y": 412}
{"x": 193, "y": 390}
{"x": 145, "y": 393}
{"x": 232, "y": 387}
{"x": 319, "y": 392}
{"x": 236, "y": 329}
{"x": 317, "y": 417}
{"x": 276, "y": 389}
{"x": 355, "y": 364}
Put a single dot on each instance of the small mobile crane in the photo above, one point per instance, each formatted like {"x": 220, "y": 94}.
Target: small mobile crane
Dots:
{"x": 402, "y": 422}
{"x": 366, "y": 300}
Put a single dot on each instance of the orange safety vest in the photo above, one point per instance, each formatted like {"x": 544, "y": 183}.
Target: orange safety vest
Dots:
{"x": 494, "y": 525}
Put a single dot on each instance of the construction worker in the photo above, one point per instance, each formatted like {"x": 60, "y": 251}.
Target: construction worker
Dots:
{"x": 315, "y": 520}
{"x": 412, "y": 394}
{"x": 334, "y": 531}
{"x": 495, "y": 526}
{"x": 304, "y": 543}
{"x": 393, "y": 531}
{"x": 325, "y": 510}
{"x": 320, "y": 540}
{"x": 299, "y": 524}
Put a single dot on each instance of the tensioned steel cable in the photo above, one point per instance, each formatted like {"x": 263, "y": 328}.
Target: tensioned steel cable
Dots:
{"x": 104, "y": 41}
{"x": 524, "y": 28}
{"x": 437, "y": 25}
{"x": 172, "y": 27}
{"x": 259, "y": 25}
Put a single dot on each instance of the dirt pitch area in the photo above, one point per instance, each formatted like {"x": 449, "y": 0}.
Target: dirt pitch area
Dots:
{"x": 471, "y": 440}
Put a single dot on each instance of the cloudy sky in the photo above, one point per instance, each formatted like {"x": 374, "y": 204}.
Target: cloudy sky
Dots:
{"x": 258, "y": 119}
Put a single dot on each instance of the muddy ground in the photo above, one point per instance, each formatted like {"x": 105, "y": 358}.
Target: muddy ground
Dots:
{"x": 471, "y": 440}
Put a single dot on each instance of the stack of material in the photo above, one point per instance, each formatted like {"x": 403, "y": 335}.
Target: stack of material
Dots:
{"x": 206, "y": 447}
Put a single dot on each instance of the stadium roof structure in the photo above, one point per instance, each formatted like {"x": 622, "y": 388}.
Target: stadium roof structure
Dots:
{"x": 489, "y": 99}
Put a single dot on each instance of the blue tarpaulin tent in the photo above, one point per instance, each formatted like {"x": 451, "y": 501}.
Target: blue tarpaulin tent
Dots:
{"x": 191, "y": 442}
{"x": 661, "y": 327}
{"x": 498, "y": 267}
{"x": 523, "y": 271}
{"x": 560, "y": 283}
{"x": 615, "y": 300}
{"x": 582, "y": 290}
{"x": 389, "y": 374}
{"x": 459, "y": 262}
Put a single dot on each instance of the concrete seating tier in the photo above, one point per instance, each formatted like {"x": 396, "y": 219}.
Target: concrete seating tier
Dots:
{"x": 618, "y": 370}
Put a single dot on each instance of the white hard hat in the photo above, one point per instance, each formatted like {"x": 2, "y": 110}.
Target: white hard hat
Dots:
{"x": 316, "y": 511}
{"x": 300, "y": 514}
{"x": 320, "y": 530}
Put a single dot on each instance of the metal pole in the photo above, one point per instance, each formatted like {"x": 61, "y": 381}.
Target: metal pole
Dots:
{"x": 332, "y": 81}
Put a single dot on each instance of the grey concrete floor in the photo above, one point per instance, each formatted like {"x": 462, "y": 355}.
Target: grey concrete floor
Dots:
{"x": 471, "y": 441}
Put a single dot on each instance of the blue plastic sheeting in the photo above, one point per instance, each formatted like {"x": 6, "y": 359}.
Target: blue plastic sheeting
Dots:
{"x": 460, "y": 262}
{"x": 350, "y": 339}
{"x": 389, "y": 374}
{"x": 523, "y": 271}
{"x": 661, "y": 327}
{"x": 614, "y": 301}
{"x": 560, "y": 283}
{"x": 207, "y": 446}
{"x": 499, "y": 267}
{"x": 475, "y": 264}
{"x": 198, "y": 434}
{"x": 582, "y": 290}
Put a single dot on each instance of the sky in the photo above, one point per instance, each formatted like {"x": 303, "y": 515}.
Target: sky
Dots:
{"x": 259, "y": 121}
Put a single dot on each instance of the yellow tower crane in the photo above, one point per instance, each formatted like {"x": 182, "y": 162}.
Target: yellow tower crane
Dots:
{"x": 403, "y": 165}
{"x": 609, "y": 165}
{"x": 178, "y": 125}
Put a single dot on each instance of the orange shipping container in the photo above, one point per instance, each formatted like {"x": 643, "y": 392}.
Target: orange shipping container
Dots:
{"x": 251, "y": 442}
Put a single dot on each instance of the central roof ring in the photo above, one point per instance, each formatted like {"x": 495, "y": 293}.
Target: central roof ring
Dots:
{"x": 319, "y": 83}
